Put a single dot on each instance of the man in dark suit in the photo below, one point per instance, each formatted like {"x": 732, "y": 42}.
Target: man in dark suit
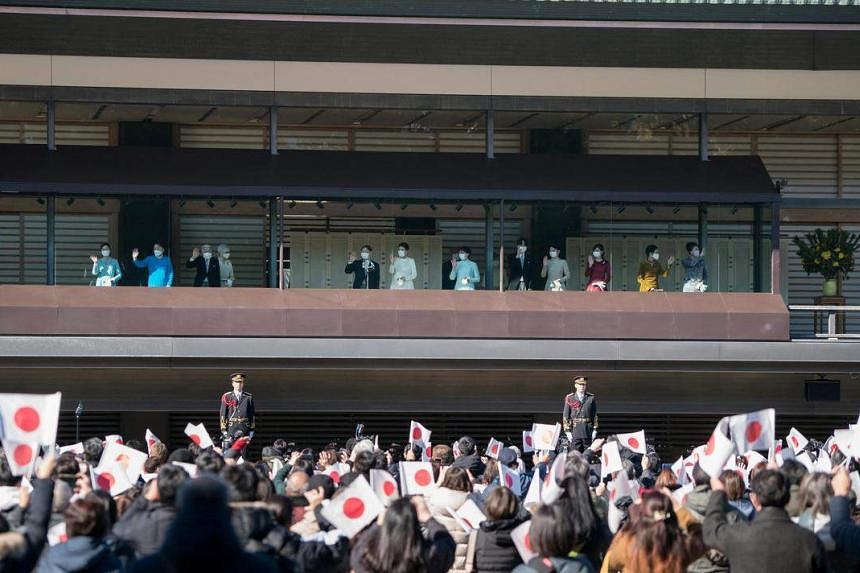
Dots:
{"x": 447, "y": 282}
{"x": 579, "y": 417}
{"x": 771, "y": 541}
{"x": 237, "y": 411}
{"x": 365, "y": 270}
{"x": 520, "y": 268}
{"x": 207, "y": 267}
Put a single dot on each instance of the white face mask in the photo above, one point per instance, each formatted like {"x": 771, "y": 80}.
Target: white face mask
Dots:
{"x": 226, "y": 255}
{"x": 655, "y": 256}
{"x": 207, "y": 255}
{"x": 401, "y": 252}
{"x": 553, "y": 254}
{"x": 597, "y": 254}
{"x": 695, "y": 252}
{"x": 105, "y": 252}
{"x": 462, "y": 256}
{"x": 158, "y": 253}
{"x": 522, "y": 249}
{"x": 365, "y": 255}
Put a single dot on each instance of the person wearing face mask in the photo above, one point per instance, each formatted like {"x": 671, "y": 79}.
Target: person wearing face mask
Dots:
{"x": 598, "y": 270}
{"x": 465, "y": 272}
{"x": 520, "y": 268}
{"x": 555, "y": 270}
{"x": 365, "y": 270}
{"x": 207, "y": 267}
{"x": 106, "y": 269}
{"x": 650, "y": 270}
{"x": 159, "y": 267}
{"x": 225, "y": 265}
{"x": 402, "y": 269}
{"x": 695, "y": 271}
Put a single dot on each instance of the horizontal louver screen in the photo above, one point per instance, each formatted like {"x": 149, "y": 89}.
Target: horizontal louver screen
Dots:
{"x": 246, "y": 237}
{"x": 65, "y": 134}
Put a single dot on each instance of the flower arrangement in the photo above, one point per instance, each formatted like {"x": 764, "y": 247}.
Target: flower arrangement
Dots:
{"x": 830, "y": 253}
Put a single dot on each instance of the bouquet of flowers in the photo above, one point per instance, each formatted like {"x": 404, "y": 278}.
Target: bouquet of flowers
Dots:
{"x": 830, "y": 252}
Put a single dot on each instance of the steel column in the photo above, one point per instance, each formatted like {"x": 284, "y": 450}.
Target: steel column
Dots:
{"x": 488, "y": 247}
{"x": 703, "y": 136}
{"x": 273, "y": 242}
{"x": 50, "y": 223}
{"x": 273, "y": 130}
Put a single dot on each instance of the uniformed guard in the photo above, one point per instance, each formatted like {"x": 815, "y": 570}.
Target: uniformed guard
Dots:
{"x": 237, "y": 411}
{"x": 580, "y": 415}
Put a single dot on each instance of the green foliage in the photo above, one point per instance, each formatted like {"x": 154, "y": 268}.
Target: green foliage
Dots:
{"x": 829, "y": 253}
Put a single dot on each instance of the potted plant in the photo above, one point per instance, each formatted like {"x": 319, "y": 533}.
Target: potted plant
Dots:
{"x": 830, "y": 253}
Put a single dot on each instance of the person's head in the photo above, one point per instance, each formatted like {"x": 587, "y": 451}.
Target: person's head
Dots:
{"x": 412, "y": 453}
{"x": 223, "y": 251}
{"x": 170, "y": 479}
{"x": 794, "y": 471}
{"x": 652, "y": 253}
{"x": 552, "y": 532}
{"x": 282, "y": 447}
{"x": 209, "y": 462}
{"x": 158, "y": 250}
{"x": 181, "y": 455}
{"x": 206, "y": 251}
{"x": 576, "y": 464}
{"x": 576, "y": 499}
{"x": 666, "y": 478}
{"x": 67, "y": 468}
{"x": 93, "y": 450}
{"x": 86, "y": 517}
{"x": 770, "y": 488}
{"x": 62, "y": 496}
{"x": 522, "y": 246}
{"x": 466, "y": 445}
{"x": 296, "y": 484}
{"x": 464, "y": 253}
{"x": 733, "y": 483}
{"x": 554, "y": 251}
{"x": 399, "y": 543}
{"x": 158, "y": 451}
{"x": 443, "y": 454}
{"x": 815, "y": 493}
{"x": 658, "y": 539}
{"x": 363, "y": 463}
{"x": 105, "y": 249}
{"x": 6, "y": 477}
{"x": 501, "y": 504}
{"x": 136, "y": 445}
{"x": 693, "y": 248}
{"x": 320, "y": 484}
{"x": 580, "y": 384}
{"x": 457, "y": 479}
{"x": 508, "y": 458}
{"x": 700, "y": 476}
{"x": 597, "y": 251}
{"x": 242, "y": 480}
{"x": 237, "y": 380}
{"x": 281, "y": 508}
{"x": 366, "y": 250}
{"x": 402, "y": 249}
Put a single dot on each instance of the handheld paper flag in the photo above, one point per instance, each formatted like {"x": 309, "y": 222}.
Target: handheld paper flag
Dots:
{"x": 30, "y": 418}
{"x": 20, "y": 456}
{"x": 753, "y": 431}
{"x": 129, "y": 459}
{"x": 57, "y": 534}
{"x": 354, "y": 508}
{"x": 74, "y": 448}
{"x": 336, "y": 471}
{"x": 528, "y": 442}
{"x": 418, "y": 433}
{"x": 427, "y": 452}
{"x": 520, "y": 537}
{"x": 716, "y": 452}
{"x": 151, "y": 440}
{"x": 545, "y": 436}
{"x": 551, "y": 490}
{"x": 111, "y": 479}
{"x": 634, "y": 442}
{"x": 796, "y": 441}
{"x": 416, "y": 478}
{"x": 471, "y": 514}
{"x": 190, "y": 469}
{"x": 610, "y": 459}
{"x": 510, "y": 479}
{"x": 384, "y": 486}
{"x": 113, "y": 439}
{"x": 533, "y": 495}
{"x": 494, "y": 448}
{"x": 198, "y": 435}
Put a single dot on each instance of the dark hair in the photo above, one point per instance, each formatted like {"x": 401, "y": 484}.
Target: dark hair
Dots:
{"x": 599, "y": 246}
{"x": 103, "y": 245}
{"x": 397, "y": 546}
{"x": 771, "y": 487}
{"x": 108, "y": 503}
{"x": 700, "y": 476}
{"x": 242, "y": 480}
{"x": 182, "y": 455}
{"x": 404, "y": 245}
{"x": 67, "y": 467}
{"x": 733, "y": 483}
{"x": 466, "y": 445}
{"x": 6, "y": 477}
{"x": 649, "y": 250}
{"x": 137, "y": 445}
{"x": 368, "y": 247}
{"x": 578, "y": 506}
{"x": 444, "y": 454}
{"x": 281, "y": 446}
{"x": 170, "y": 478}
{"x": 466, "y": 250}
{"x": 151, "y": 465}
{"x": 363, "y": 463}
{"x": 690, "y": 246}
{"x": 666, "y": 478}
{"x": 457, "y": 479}
{"x": 576, "y": 464}
{"x": 303, "y": 465}
{"x": 657, "y": 539}
{"x": 93, "y": 450}
{"x": 86, "y": 518}
{"x": 501, "y": 504}
{"x": 794, "y": 471}
{"x": 522, "y": 241}
{"x": 282, "y": 510}
{"x": 415, "y": 449}
{"x": 209, "y": 462}
{"x": 551, "y": 531}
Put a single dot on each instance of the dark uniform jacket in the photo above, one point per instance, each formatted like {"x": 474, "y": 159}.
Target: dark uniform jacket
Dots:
{"x": 356, "y": 268}
{"x": 237, "y": 415}
{"x": 517, "y": 269}
{"x": 213, "y": 274}
{"x": 580, "y": 418}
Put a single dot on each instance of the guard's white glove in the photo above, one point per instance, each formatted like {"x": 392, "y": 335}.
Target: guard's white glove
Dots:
{"x": 569, "y": 436}
{"x": 251, "y": 434}
{"x": 594, "y": 434}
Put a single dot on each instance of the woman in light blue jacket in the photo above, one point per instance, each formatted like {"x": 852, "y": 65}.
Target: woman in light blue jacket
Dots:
{"x": 106, "y": 269}
{"x": 465, "y": 272}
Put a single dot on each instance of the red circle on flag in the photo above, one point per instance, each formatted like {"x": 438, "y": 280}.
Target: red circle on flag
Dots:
{"x": 833, "y": 448}
{"x": 63, "y": 538}
{"x": 106, "y": 481}
{"x": 23, "y": 454}
{"x": 416, "y": 433}
{"x": 529, "y": 441}
{"x": 509, "y": 481}
{"x": 353, "y": 508}
{"x": 195, "y": 438}
{"x": 612, "y": 494}
{"x": 795, "y": 441}
{"x": 423, "y": 477}
{"x": 753, "y": 431}
{"x": 388, "y": 488}
{"x": 335, "y": 477}
{"x": 495, "y": 448}
{"x": 429, "y": 451}
{"x": 151, "y": 442}
{"x": 27, "y": 418}
{"x": 712, "y": 443}
{"x": 123, "y": 460}
{"x": 527, "y": 541}
{"x": 633, "y": 443}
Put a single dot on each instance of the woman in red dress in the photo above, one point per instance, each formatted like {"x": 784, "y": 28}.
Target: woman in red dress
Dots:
{"x": 598, "y": 270}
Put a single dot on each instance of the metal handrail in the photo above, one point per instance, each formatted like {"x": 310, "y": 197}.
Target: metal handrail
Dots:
{"x": 831, "y": 310}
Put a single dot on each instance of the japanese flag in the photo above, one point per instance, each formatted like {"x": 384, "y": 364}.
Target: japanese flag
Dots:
{"x": 57, "y": 534}
{"x": 753, "y": 431}
{"x": 426, "y": 452}
{"x": 21, "y": 456}
{"x": 678, "y": 468}
{"x": 610, "y": 459}
{"x": 796, "y": 440}
{"x": 510, "y": 479}
{"x": 30, "y": 418}
{"x": 522, "y": 541}
{"x": 384, "y": 486}
{"x": 112, "y": 479}
{"x": 715, "y": 454}
{"x": 336, "y": 471}
{"x": 198, "y": 435}
{"x": 354, "y": 508}
{"x": 634, "y": 442}
{"x": 418, "y": 433}
{"x": 551, "y": 490}
{"x": 807, "y": 462}
{"x": 545, "y": 436}
{"x": 416, "y": 478}
{"x": 190, "y": 469}
{"x": 680, "y": 494}
{"x": 614, "y": 516}
{"x": 74, "y": 448}
{"x": 753, "y": 459}
{"x": 151, "y": 440}
{"x": 129, "y": 459}
{"x": 823, "y": 463}
{"x": 494, "y": 448}
{"x": 844, "y": 440}
{"x": 533, "y": 495}
{"x": 113, "y": 439}
{"x": 528, "y": 442}
{"x": 622, "y": 487}
{"x": 471, "y": 514}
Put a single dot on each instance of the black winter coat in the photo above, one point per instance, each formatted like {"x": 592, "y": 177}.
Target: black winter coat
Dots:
{"x": 143, "y": 526}
{"x": 494, "y": 548}
{"x": 19, "y": 550}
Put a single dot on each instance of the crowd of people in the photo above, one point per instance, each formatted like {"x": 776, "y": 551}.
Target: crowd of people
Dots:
{"x": 459, "y": 273}
{"x": 212, "y": 510}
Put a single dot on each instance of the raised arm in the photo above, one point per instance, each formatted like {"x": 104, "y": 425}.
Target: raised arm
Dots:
{"x": 169, "y": 272}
